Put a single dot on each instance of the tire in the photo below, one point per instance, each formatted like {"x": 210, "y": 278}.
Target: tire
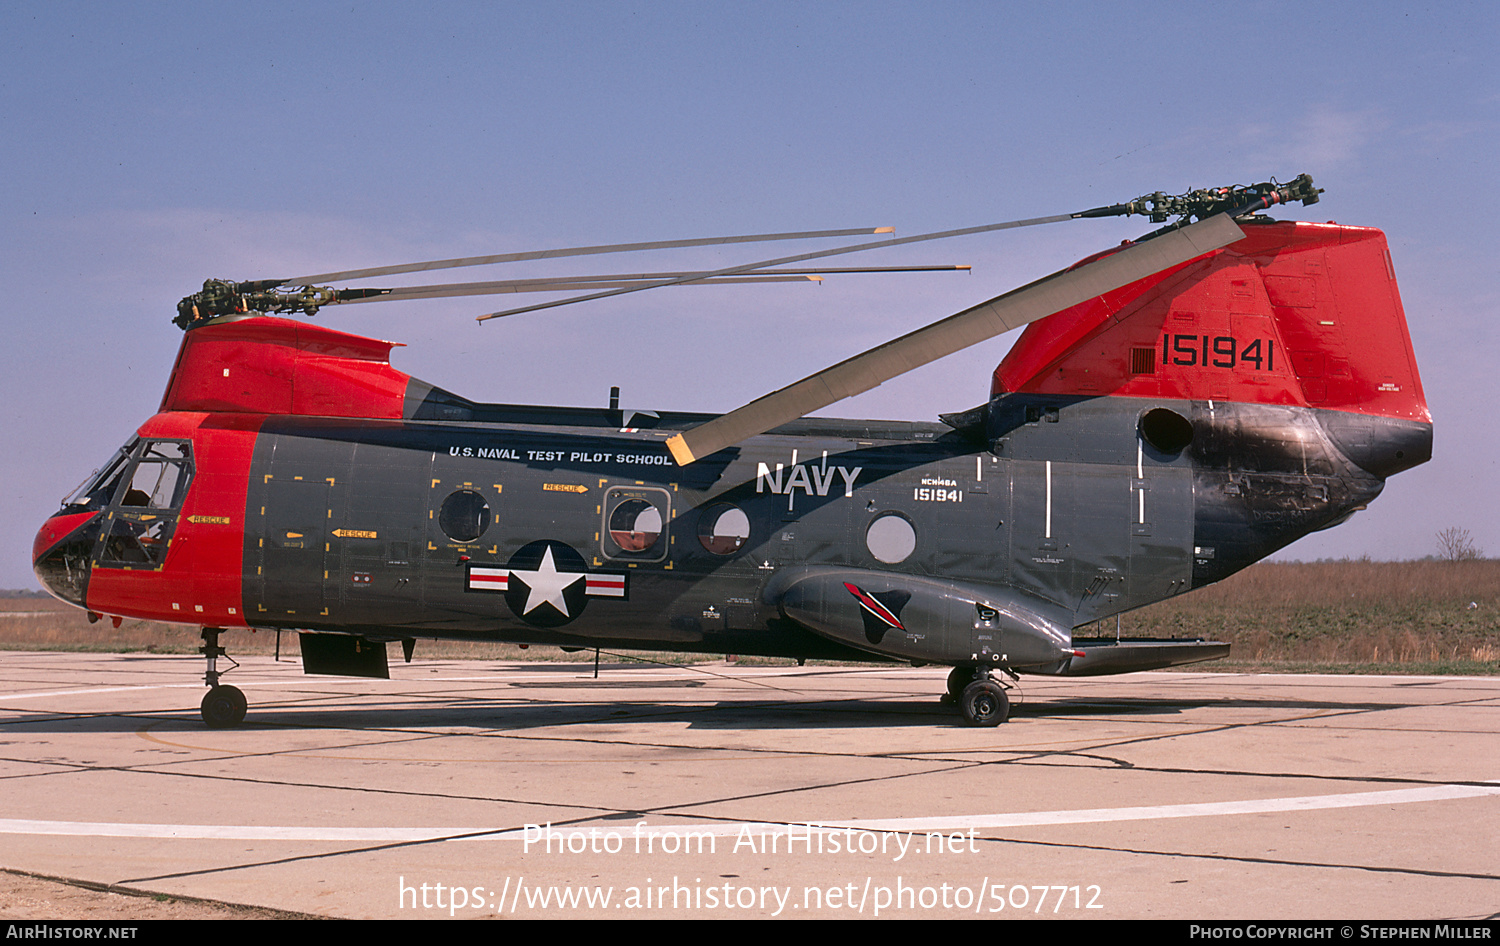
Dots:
{"x": 223, "y": 707}
{"x": 958, "y": 678}
{"x": 985, "y": 704}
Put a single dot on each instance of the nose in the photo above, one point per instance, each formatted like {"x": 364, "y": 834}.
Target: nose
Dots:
{"x": 61, "y": 551}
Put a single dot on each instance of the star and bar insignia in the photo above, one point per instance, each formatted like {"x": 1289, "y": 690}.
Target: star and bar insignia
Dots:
{"x": 546, "y": 583}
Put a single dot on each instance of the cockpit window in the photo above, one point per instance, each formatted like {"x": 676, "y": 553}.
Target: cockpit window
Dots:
{"x": 99, "y": 488}
{"x": 136, "y": 539}
{"x": 157, "y": 482}
{"x": 144, "y": 490}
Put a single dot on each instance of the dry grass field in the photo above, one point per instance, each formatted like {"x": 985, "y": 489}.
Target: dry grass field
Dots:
{"x": 1344, "y": 616}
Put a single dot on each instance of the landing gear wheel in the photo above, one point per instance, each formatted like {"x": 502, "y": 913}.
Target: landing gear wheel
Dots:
{"x": 984, "y": 703}
{"x": 223, "y": 707}
{"x": 958, "y": 678}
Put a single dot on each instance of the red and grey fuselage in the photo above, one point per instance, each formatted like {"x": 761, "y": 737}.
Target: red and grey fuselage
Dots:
{"x": 1147, "y": 442}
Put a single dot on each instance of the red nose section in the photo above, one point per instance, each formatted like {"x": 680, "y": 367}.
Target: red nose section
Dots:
{"x": 61, "y": 552}
{"x": 54, "y": 530}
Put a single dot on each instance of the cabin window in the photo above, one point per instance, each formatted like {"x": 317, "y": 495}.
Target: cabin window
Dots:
{"x": 464, "y": 516}
{"x": 723, "y": 529}
{"x": 891, "y": 538}
{"x": 635, "y": 523}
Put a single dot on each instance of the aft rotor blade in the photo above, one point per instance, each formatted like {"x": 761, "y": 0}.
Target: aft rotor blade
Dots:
{"x": 752, "y": 267}
{"x": 571, "y": 251}
{"x": 1001, "y": 314}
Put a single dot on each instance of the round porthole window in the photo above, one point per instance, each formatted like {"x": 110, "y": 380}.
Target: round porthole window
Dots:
{"x": 724, "y": 529}
{"x": 635, "y": 525}
{"x": 464, "y": 516}
{"x": 891, "y": 538}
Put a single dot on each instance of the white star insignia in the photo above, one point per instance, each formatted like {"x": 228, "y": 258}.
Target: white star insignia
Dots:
{"x": 546, "y": 585}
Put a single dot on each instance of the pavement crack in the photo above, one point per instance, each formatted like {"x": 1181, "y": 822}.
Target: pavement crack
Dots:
{"x": 1247, "y": 859}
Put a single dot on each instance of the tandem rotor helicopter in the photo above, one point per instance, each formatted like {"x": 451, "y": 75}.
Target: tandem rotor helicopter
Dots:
{"x": 1177, "y": 409}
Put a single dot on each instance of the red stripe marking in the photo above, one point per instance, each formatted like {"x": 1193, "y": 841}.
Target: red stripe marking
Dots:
{"x": 880, "y": 611}
{"x": 608, "y": 585}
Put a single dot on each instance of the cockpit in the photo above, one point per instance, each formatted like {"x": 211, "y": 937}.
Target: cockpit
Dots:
{"x": 123, "y": 516}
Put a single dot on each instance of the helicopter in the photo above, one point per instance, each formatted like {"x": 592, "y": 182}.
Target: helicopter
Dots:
{"x": 1176, "y": 409}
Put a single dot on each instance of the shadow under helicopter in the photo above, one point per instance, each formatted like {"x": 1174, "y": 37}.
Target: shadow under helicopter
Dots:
{"x": 498, "y": 716}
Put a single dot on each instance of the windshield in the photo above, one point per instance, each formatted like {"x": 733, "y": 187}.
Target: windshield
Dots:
{"x": 99, "y": 488}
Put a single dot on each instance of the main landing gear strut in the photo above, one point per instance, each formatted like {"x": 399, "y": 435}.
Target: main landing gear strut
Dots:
{"x": 979, "y": 696}
{"x": 224, "y": 706}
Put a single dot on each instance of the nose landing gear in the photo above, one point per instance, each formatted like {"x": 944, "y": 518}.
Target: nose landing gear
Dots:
{"x": 224, "y": 706}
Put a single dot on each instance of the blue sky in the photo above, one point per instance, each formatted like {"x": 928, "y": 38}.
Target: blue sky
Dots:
{"x": 148, "y": 146}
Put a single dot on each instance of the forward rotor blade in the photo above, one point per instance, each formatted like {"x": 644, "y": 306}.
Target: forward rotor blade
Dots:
{"x": 1001, "y": 314}
{"x": 570, "y": 251}
{"x": 449, "y": 290}
{"x": 615, "y": 280}
{"x": 751, "y": 267}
